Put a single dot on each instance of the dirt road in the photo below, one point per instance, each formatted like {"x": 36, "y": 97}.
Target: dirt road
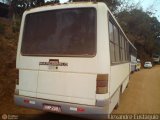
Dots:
{"x": 141, "y": 96}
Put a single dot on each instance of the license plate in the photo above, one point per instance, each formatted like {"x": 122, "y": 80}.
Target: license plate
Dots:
{"x": 52, "y": 108}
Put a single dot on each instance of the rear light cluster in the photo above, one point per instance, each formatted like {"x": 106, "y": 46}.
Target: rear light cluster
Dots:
{"x": 77, "y": 109}
{"x": 102, "y": 84}
{"x": 27, "y": 101}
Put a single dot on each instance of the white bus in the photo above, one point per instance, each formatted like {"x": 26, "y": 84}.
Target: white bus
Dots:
{"x": 133, "y": 55}
{"x": 156, "y": 58}
{"x": 72, "y": 59}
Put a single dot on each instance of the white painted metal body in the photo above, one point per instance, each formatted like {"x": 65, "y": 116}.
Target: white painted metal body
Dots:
{"x": 133, "y": 63}
{"x": 156, "y": 58}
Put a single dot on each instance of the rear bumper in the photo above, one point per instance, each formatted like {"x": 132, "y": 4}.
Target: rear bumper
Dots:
{"x": 66, "y": 108}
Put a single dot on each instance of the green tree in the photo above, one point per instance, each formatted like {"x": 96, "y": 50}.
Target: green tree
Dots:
{"x": 19, "y": 6}
{"x": 142, "y": 29}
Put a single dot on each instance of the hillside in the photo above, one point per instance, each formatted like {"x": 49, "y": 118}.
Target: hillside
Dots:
{"x": 8, "y": 72}
{"x": 8, "y": 45}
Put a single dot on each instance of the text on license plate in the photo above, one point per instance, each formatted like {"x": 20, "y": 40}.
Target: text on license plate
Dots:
{"x": 52, "y": 108}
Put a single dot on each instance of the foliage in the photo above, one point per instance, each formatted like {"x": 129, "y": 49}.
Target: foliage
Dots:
{"x": 2, "y": 28}
{"x": 142, "y": 29}
{"x": 16, "y": 26}
{"x": 128, "y": 5}
{"x": 4, "y": 10}
{"x": 19, "y": 6}
{"x": 7, "y": 48}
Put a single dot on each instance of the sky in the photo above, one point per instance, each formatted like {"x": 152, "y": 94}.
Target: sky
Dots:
{"x": 153, "y": 5}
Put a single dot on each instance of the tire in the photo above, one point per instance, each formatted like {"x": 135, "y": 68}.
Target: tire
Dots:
{"x": 116, "y": 107}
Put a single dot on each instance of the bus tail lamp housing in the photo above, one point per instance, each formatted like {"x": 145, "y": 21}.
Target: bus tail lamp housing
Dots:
{"x": 102, "y": 84}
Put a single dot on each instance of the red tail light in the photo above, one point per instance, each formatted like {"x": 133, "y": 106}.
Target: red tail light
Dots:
{"x": 102, "y": 84}
{"x": 26, "y": 101}
{"x": 80, "y": 109}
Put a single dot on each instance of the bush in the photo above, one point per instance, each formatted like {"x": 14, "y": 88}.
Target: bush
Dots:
{"x": 16, "y": 26}
{"x": 2, "y": 28}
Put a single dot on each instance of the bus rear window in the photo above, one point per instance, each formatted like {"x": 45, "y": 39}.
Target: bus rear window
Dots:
{"x": 65, "y": 32}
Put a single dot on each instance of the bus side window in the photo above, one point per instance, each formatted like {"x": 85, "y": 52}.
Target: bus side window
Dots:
{"x": 127, "y": 51}
{"x": 114, "y": 43}
{"x": 116, "y": 39}
{"x": 111, "y": 36}
{"x": 121, "y": 48}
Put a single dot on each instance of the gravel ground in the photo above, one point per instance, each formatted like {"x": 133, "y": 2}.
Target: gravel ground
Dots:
{"x": 143, "y": 93}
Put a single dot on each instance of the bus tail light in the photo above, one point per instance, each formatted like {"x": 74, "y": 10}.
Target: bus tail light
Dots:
{"x": 102, "y": 84}
{"x": 27, "y": 101}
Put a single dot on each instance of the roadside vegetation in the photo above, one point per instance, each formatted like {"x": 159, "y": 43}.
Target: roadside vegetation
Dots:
{"x": 8, "y": 73}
